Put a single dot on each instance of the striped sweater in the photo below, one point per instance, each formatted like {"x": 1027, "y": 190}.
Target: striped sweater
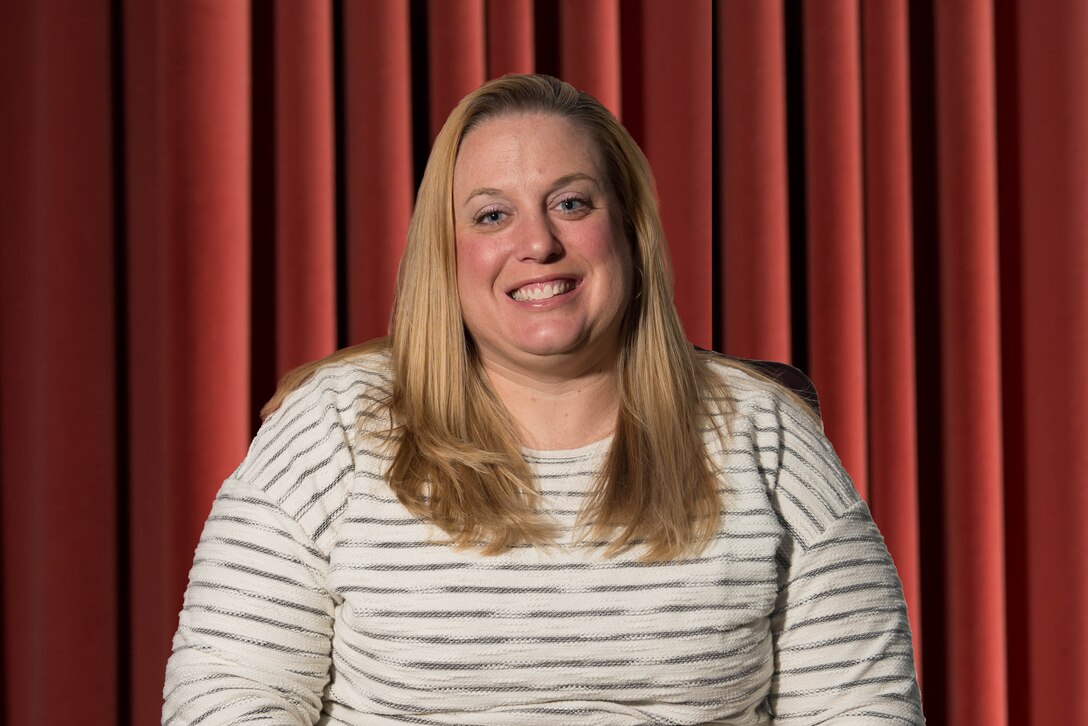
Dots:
{"x": 315, "y": 597}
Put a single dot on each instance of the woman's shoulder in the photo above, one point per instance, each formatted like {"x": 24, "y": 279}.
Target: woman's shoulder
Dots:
{"x": 303, "y": 458}
{"x": 349, "y": 382}
{"x": 312, "y": 427}
{"x": 801, "y": 471}
{"x": 754, "y": 388}
{"x": 352, "y": 377}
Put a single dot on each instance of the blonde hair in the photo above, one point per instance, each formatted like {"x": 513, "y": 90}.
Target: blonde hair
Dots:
{"x": 457, "y": 460}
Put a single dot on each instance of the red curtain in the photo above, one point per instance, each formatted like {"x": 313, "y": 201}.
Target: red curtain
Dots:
{"x": 197, "y": 195}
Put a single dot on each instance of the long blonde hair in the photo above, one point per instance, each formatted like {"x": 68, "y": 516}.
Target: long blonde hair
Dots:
{"x": 457, "y": 460}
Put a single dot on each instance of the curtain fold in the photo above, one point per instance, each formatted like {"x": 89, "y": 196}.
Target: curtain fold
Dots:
{"x": 889, "y": 295}
{"x": 833, "y": 166}
{"x": 304, "y": 236}
{"x": 1053, "y": 327}
{"x": 511, "y": 46}
{"x": 675, "y": 107}
{"x": 970, "y": 362}
{"x": 377, "y": 152}
{"x": 60, "y": 435}
{"x": 753, "y": 204}
{"x": 589, "y": 40}
{"x": 188, "y": 289}
{"x": 456, "y": 54}
{"x": 198, "y": 195}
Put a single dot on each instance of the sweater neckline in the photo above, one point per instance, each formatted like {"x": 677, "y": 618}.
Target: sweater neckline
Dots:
{"x": 595, "y": 448}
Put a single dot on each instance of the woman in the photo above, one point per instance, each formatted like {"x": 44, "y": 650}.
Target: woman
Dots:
{"x": 535, "y": 502}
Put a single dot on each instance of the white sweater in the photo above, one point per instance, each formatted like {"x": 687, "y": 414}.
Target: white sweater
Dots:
{"x": 316, "y": 598}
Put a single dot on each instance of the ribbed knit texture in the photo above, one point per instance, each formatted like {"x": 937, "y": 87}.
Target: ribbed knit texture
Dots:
{"x": 316, "y": 598}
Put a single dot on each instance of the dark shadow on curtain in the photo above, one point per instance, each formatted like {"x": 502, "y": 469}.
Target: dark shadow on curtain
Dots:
{"x": 1009, "y": 196}
{"x": 262, "y": 212}
{"x": 793, "y": 17}
{"x": 927, "y": 312}
{"x": 546, "y": 37}
{"x": 717, "y": 212}
{"x": 121, "y": 358}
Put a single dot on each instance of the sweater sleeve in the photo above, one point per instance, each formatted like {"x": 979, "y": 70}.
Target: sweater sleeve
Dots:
{"x": 253, "y": 642}
{"x": 842, "y": 645}
{"x": 254, "y": 638}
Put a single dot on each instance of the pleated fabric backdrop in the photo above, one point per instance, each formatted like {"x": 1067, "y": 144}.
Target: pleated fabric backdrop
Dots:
{"x": 198, "y": 195}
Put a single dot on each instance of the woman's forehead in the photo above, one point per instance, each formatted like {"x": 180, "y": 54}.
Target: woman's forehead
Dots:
{"x": 525, "y": 145}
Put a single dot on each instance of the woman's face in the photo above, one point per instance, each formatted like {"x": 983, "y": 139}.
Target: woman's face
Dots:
{"x": 543, "y": 270}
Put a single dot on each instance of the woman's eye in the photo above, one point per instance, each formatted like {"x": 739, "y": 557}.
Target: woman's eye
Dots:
{"x": 572, "y": 204}
{"x": 490, "y": 216}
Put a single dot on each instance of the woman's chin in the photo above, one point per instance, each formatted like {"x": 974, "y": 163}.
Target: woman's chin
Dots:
{"x": 565, "y": 356}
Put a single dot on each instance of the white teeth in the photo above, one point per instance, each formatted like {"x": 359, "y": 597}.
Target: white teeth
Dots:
{"x": 545, "y": 291}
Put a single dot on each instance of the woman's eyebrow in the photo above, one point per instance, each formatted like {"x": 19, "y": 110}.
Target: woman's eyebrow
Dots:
{"x": 561, "y": 181}
{"x": 576, "y": 176}
{"x": 490, "y": 191}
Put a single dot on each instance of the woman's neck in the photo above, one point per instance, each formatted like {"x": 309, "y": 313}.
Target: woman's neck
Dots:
{"x": 558, "y": 414}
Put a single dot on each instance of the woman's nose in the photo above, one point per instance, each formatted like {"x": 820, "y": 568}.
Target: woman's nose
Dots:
{"x": 538, "y": 240}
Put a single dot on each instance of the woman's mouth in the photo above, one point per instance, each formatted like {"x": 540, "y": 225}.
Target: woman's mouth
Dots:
{"x": 542, "y": 290}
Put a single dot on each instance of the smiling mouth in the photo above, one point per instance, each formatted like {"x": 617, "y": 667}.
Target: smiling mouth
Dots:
{"x": 542, "y": 290}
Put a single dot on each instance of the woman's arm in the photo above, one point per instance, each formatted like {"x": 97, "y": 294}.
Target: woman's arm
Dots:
{"x": 254, "y": 637}
{"x": 842, "y": 645}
